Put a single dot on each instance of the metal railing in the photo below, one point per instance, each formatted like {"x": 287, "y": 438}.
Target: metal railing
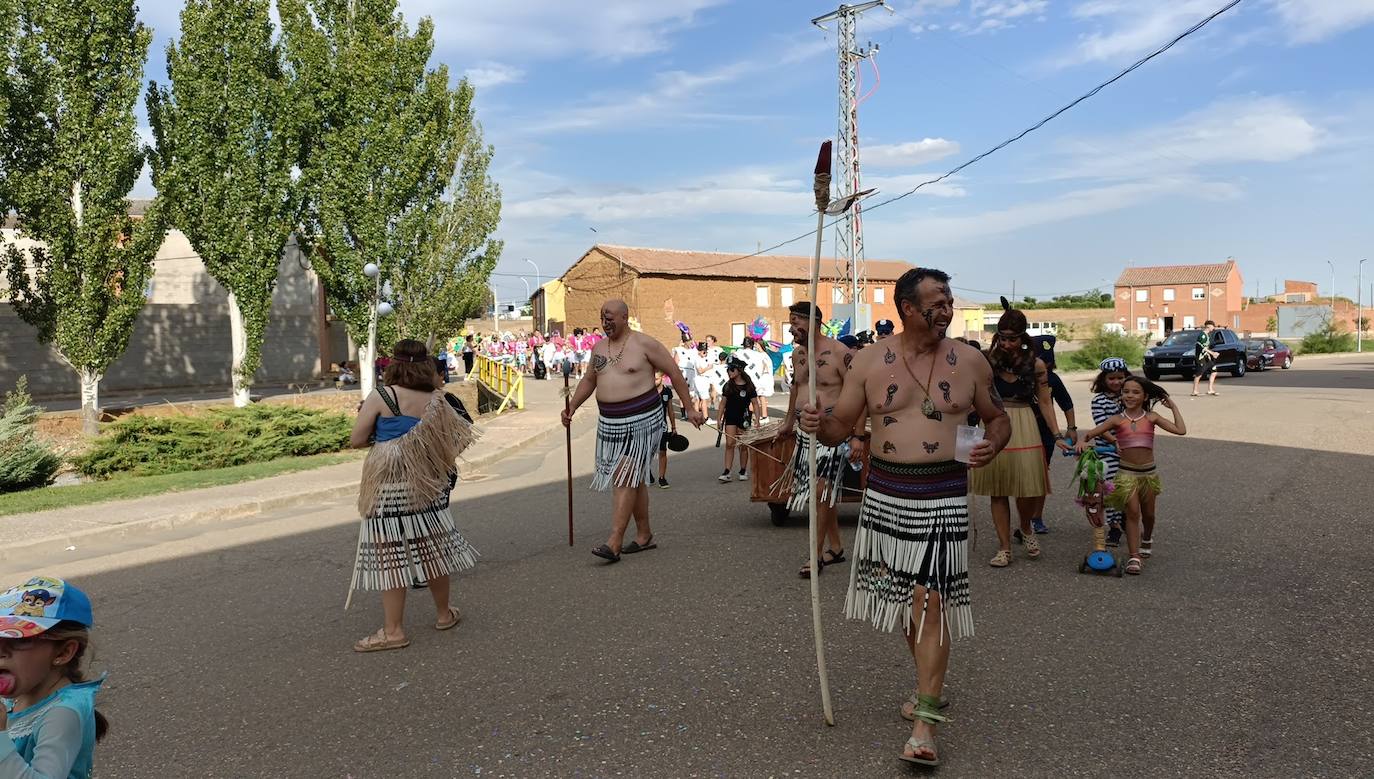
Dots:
{"x": 504, "y": 380}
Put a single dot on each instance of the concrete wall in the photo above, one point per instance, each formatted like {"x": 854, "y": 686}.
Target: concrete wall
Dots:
{"x": 181, "y": 338}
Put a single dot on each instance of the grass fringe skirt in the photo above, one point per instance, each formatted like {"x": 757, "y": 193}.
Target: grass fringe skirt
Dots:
{"x": 1019, "y": 470}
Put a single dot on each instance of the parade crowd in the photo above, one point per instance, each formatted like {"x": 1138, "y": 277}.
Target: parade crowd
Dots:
{"x": 934, "y": 421}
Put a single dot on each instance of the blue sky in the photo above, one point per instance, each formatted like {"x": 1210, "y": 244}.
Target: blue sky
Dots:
{"x": 693, "y": 124}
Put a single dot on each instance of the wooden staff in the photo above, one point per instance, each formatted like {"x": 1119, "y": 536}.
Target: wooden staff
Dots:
{"x": 821, "y": 187}
{"x": 567, "y": 434}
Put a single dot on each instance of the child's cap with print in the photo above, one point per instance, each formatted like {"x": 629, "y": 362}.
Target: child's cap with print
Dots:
{"x": 39, "y": 604}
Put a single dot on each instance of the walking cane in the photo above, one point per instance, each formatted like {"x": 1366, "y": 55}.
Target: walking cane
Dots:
{"x": 567, "y": 431}
{"x": 821, "y": 187}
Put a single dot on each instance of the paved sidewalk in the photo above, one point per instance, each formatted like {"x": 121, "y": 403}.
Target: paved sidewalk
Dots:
{"x": 48, "y": 531}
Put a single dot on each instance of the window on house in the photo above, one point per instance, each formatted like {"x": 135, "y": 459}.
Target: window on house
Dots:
{"x": 1168, "y": 294}
{"x": 1199, "y": 293}
{"x": 761, "y": 296}
{"x": 785, "y": 296}
{"x": 1142, "y": 296}
{"x": 837, "y": 295}
{"x": 879, "y": 295}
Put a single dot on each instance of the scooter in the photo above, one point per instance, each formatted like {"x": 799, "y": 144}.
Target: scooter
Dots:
{"x": 1093, "y": 489}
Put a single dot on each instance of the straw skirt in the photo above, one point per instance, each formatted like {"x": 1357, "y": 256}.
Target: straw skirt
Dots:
{"x": 1019, "y": 470}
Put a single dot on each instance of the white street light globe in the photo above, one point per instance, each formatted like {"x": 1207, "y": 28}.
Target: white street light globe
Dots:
{"x": 371, "y": 270}
{"x": 384, "y": 308}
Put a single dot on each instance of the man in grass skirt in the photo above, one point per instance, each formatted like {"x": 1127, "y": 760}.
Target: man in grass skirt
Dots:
{"x": 832, "y": 362}
{"x": 630, "y": 427}
{"x": 910, "y": 565}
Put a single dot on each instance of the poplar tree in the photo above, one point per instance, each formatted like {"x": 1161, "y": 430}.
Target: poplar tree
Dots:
{"x": 383, "y": 144}
{"x": 69, "y": 155}
{"x": 226, "y": 141}
{"x": 439, "y": 288}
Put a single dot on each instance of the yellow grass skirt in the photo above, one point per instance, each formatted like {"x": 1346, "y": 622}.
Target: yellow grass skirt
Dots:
{"x": 1018, "y": 471}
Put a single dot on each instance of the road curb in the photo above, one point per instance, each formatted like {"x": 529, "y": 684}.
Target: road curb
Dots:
{"x": 241, "y": 510}
{"x": 249, "y": 508}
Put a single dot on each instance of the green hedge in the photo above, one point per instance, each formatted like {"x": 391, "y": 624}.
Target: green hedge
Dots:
{"x": 1328, "y": 340}
{"x": 1106, "y": 344}
{"x": 25, "y": 463}
{"x": 219, "y": 438}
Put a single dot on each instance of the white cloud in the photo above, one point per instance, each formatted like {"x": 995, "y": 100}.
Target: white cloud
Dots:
{"x": 908, "y": 153}
{"x": 1309, "y": 21}
{"x": 1009, "y": 10}
{"x": 1261, "y": 129}
{"x": 734, "y": 193}
{"x": 675, "y": 96}
{"x": 546, "y": 29}
{"x": 1133, "y": 27}
{"x": 938, "y": 232}
{"x": 492, "y": 74}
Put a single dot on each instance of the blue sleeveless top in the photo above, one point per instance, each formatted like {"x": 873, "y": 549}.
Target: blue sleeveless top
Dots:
{"x": 392, "y": 427}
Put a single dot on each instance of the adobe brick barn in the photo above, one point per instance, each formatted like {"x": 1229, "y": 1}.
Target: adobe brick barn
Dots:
{"x": 713, "y": 292}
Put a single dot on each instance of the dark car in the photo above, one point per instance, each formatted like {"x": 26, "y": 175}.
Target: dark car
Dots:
{"x": 1262, "y": 353}
{"x": 1174, "y": 355}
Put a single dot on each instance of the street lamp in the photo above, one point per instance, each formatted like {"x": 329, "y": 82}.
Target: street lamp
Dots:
{"x": 538, "y": 278}
{"x": 379, "y": 308}
{"x": 1359, "y": 309}
{"x": 1333, "y": 292}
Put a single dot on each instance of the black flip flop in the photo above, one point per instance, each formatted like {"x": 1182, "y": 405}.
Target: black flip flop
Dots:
{"x": 605, "y": 553}
{"x": 634, "y": 546}
{"x": 833, "y": 557}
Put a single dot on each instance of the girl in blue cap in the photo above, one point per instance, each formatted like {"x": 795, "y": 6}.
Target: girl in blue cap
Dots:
{"x": 48, "y": 719}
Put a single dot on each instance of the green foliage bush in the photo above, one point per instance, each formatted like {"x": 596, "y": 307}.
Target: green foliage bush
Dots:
{"x": 219, "y": 438}
{"x": 1104, "y": 344}
{"x": 25, "y": 463}
{"x": 1094, "y": 299}
{"x": 1329, "y": 339}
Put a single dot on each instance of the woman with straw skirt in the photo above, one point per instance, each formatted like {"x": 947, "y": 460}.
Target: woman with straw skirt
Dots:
{"x": 1019, "y": 470}
{"x": 408, "y": 537}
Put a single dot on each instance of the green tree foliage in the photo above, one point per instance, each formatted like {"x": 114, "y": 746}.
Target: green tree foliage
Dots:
{"x": 386, "y": 136}
{"x": 69, "y": 156}
{"x": 148, "y": 445}
{"x": 1104, "y": 344}
{"x": 226, "y": 140}
{"x": 1094, "y": 299}
{"x": 439, "y": 288}
{"x": 25, "y": 463}
{"x": 1328, "y": 339}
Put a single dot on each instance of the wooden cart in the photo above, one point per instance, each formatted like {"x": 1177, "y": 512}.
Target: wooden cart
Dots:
{"x": 770, "y": 457}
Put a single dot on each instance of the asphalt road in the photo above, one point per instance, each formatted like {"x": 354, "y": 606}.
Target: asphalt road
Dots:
{"x": 1243, "y": 650}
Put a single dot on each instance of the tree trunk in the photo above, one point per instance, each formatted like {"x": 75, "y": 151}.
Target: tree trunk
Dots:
{"x": 238, "y": 339}
{"x": 90, "y": 401}
{"x": 367, "y": 357}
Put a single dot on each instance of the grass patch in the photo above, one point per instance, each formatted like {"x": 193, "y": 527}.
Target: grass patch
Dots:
{"x": 122, "y": 487}
{"x": 1102, "y": 345}
{"x": 219, "y": 438}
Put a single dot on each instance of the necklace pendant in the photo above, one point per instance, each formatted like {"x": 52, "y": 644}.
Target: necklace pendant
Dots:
{"x": 928, "y": 408}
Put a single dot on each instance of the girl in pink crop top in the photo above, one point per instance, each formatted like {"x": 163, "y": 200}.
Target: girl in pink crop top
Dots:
{"x": 1137, "y": 482}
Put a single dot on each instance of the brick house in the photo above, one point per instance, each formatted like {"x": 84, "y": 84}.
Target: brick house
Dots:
{"x": 712, "y": 292}
{"x": 1161, "y": 299}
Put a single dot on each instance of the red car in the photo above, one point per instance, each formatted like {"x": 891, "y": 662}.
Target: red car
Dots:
{"x": 1262, "y": 353}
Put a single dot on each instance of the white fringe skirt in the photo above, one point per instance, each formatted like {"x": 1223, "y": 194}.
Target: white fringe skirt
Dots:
{"x": 627, "y": 437}
{"x": 913, "y": 532}
{"x": 830, "y": 464}
{"x": 408, "y": 548}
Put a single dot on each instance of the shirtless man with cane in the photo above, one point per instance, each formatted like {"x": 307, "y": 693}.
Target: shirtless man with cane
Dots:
{"x": 832, "y": 362}
{"x": 910, "y": 565}
{"x": 631, "y": 423}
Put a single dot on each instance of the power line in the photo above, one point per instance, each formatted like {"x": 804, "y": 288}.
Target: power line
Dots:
{"x": 1085, "y": 96}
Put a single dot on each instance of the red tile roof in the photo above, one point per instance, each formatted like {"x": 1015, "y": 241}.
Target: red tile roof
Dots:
{"x": 1215, "y": 273}
{"x": 673, "y": 262}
